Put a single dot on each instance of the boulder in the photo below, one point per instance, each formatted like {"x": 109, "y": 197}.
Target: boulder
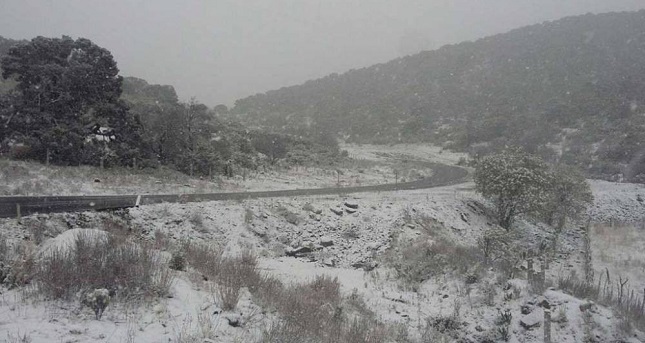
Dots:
{"x": 365, "y": 265}
{"x": 586, "y": 306}
{"x": 351, "y": 204}
{"x": 329, "y": 262}
{"x": 336, "y": 210}
{"x": 233, "y": 319}
{"x": 299, "y": 251}
{"x": 326, "y": 241}
{"x": 532, "y": 320}
{"x": 258, "y": 231}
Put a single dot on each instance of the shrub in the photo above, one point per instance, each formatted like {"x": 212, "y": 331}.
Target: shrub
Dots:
{"x": 609, "y": 293}
{"x": 20, "y": 266}
{"x": 235, "y": 273}
{"x": 315, "y": 312}
{"x": 444, "y": 327}
{"x": 197, "y": 220}
{"x": 204, "y": 258}
{"x": 423, "y": 260}
{"x": 92, "y": 263}
{"x": 516, "y": 183}
{"x": 177, "y": 261}
{"x": 569, "y": 196}
{"x": 230, "y": 273}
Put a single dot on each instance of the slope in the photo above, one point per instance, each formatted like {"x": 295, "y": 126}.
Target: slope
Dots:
{"x": 571, "y": 90}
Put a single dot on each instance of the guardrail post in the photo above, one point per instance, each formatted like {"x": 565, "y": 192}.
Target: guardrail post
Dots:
{"x": 18, "y": 216}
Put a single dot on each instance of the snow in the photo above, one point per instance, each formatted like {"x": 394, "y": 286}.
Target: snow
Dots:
{"x": 192, "y": 310}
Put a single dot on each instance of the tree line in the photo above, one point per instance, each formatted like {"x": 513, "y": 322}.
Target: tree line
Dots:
{"x": 64, "y": 102}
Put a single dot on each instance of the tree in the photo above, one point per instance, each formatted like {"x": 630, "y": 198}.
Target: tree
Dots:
{"x": 274, "y": 146}
{"x": 68, "y": 89}
{"x": 220, "y": 109}
{"x": 569, "y": 196}
{"x": 516, "y": 183}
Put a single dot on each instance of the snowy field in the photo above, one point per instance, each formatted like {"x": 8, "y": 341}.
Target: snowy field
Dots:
{"x": 369, "y": 165}
{"x": 354, "y": 239}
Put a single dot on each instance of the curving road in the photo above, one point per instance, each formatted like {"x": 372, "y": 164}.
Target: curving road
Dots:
{"x": 443, "y": 175}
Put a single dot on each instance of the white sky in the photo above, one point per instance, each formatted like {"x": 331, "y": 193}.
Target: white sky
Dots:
{"x": 222, "y": 50}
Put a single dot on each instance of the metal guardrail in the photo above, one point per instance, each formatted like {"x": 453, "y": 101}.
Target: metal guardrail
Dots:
{"x": 15, "y": 206}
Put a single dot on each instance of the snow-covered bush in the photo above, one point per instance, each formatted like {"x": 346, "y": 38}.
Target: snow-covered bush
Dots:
{"x": 516, "y": 183}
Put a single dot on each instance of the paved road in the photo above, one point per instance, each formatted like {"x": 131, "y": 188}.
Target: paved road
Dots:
{"x": 442, "y": 175}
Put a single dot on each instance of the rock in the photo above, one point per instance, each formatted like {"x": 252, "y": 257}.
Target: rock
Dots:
{"x": 329, "y": 262}
{"x": 365, "y": 265}
{"x": 299, "y": 251}
{"x": 233, "y": 319}
{"x": 350, "y": 210}
{"x": 318, "y": 217}
{"x": 586, "y": 306}
{"x": 326, "y": 241}
{"x": 374, "y": 246}
{"x": 351, "y": 204}
{"x": 464, "y": 217}
{"x": 526, "y": 309}
{"x": 531, "y": 321}
{"x": 479, "y": 328}
{"x": 318, "y": 211}
{"x": 336, "y": 210}
{"x": 258, "y": 231}
{"x": 97, "y": 180}
{"x": 544, "y": 303}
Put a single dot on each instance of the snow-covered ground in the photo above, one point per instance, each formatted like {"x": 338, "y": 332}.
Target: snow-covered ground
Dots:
{"x": 350, "y": 236}
{"x": 370, "y": 165}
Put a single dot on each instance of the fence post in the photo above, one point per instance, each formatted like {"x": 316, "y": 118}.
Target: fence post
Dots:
{"x": 547, "y": 326}
{"x": 18, "y": 216}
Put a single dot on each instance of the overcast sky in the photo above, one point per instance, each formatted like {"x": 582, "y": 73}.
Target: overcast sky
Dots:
{"x": 222, "y": 50}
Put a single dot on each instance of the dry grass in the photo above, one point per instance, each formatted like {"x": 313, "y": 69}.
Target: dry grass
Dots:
{"x": 619, "y": 249}
{"x": 132, "y": 270}
{"x": 608, "y": 292}
{"x": 316, "y": 312}
{"x": 427, "y": 257}
{"x": 310, "y": 312}
{"x": 229, "y": 273}
{"x": 18, "y": 263}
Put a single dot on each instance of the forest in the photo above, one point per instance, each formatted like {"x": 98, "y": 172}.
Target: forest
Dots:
{"x": 62, "y": 101}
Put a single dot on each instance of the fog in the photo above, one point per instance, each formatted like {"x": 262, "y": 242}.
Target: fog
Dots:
{"x": 219, "y": 51}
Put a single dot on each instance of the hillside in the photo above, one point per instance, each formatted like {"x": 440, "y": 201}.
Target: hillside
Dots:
{"x": 571, "y": 90}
